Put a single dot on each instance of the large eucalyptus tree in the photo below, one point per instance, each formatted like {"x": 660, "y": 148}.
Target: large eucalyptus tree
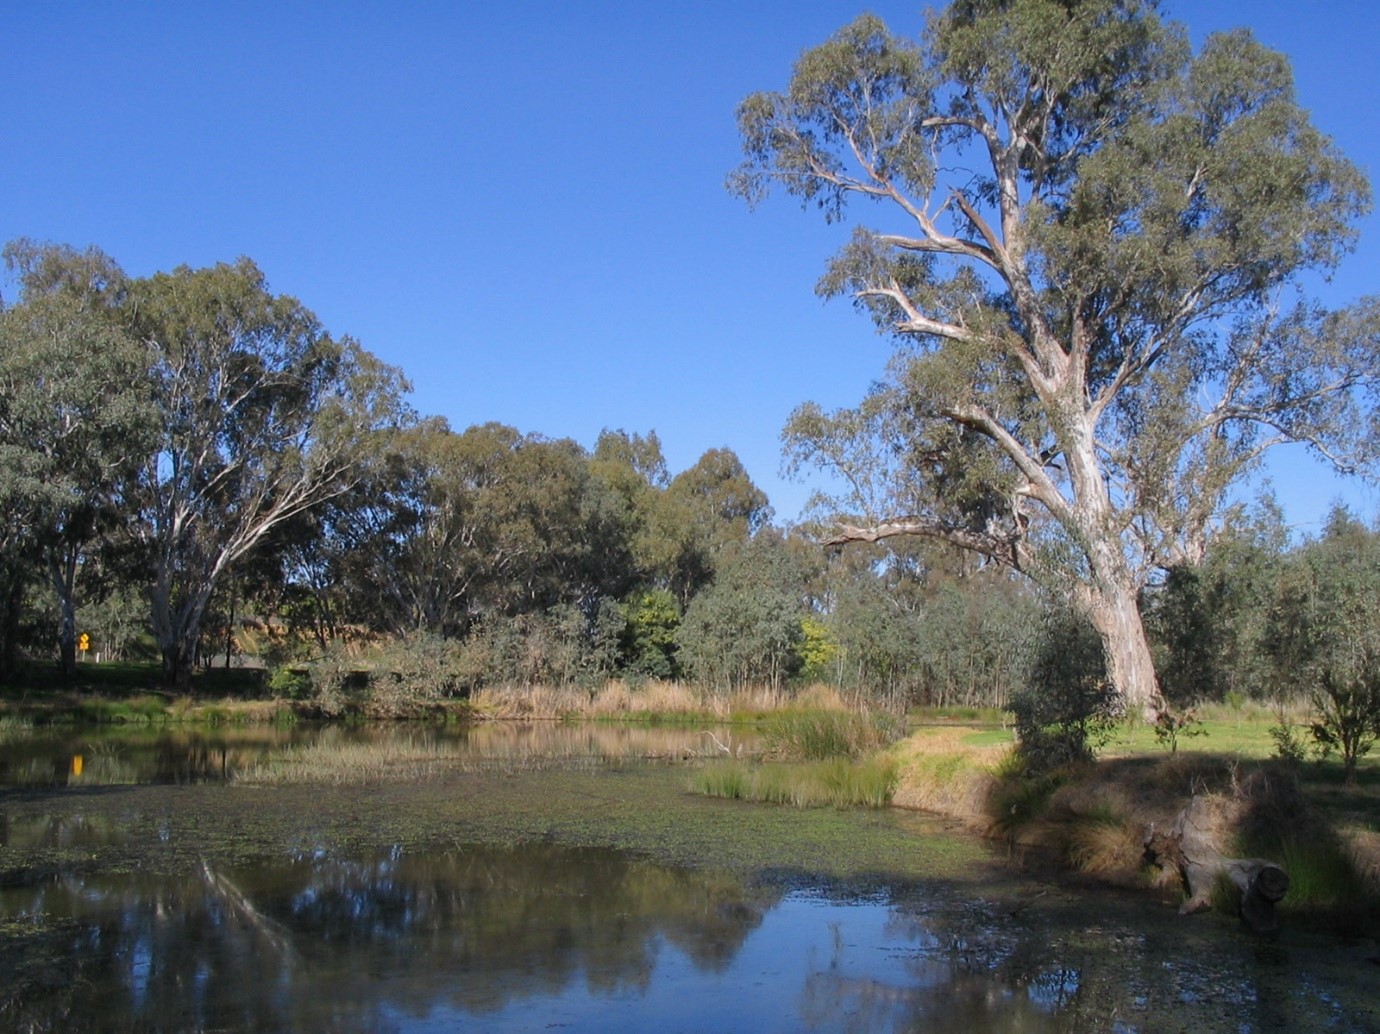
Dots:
{"x": 262, "y": 417}
{"x": 1090, "y": 268}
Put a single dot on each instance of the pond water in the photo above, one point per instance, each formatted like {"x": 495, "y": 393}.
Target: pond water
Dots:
{"x": 74, "y": 756}
{"x": 603, "y": 898}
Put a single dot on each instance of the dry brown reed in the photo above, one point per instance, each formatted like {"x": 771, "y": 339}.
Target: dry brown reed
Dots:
{"x": 942, "y": 771}
{"x": 653, "y": 699}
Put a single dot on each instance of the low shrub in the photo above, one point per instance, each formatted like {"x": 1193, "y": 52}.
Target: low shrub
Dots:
{"x": 1068, "y": 708}
{"x": 293, "y": 682}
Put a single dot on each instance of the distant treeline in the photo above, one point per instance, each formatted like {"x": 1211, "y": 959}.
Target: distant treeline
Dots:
{"x": 194, "y": 470}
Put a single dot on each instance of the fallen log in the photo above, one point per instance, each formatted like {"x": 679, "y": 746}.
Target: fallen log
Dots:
{"x": 1192, "y": 845}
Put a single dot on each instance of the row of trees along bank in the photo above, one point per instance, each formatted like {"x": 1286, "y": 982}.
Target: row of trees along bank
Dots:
{"x": 193, "y": 462}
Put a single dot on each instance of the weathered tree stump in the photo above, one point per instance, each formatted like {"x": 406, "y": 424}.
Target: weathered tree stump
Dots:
{"x": 1193, "y": 846}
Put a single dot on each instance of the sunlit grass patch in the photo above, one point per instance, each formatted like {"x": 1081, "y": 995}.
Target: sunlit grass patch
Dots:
{"x": 947, "y": 770}
{"x": 990, "y": 738}
{"x": 1244, "y": 733}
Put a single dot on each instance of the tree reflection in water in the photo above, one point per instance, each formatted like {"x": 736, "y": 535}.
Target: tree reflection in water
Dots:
{"x": 339, "y": 942}
{"x": 591, "y": 938}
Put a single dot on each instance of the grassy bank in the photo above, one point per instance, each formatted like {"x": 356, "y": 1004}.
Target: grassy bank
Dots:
{"x": 1094, "y": 819}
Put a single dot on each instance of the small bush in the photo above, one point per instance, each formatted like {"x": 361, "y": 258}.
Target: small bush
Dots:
{"x": 1289, "y": 745}
{"x": 1347, "y": 714}
{"x": 294, "y": 683}
{"x": 1068, "y": 708}
{"x": 1170, "y": 725}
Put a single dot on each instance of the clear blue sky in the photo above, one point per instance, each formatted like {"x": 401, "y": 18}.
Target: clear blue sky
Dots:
{"x": 521, "y": 204}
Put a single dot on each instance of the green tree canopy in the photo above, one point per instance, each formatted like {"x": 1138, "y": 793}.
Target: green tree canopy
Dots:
{"x": 76, "y": 417}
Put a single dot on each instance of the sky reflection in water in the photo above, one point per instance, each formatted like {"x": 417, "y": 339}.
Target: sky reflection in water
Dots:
{"x": 545, "y": 937}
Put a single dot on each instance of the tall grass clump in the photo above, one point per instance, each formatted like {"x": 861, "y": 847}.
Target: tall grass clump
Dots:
{"x": 1321, "y": 873}
{"x": 825, "y": 735}
{"x": 1102, "y": 840}
{"x": 837, "y": 783}
{"x": 724, "y": 779}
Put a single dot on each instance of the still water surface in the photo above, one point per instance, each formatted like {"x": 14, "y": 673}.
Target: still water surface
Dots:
{"x": 549, "y": 935}
{"x": 114, "y": 756}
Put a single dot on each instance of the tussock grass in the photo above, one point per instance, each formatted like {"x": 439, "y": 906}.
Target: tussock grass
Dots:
{"x": 651, "y": 701}
{"x": 942, "y": 770}
{"x": 818, "y": 735}
{"x": 1321, "y": 873}
{"x": 730, "y": 779}
{"x": 837, "y": 782}
{"x": 1103, "y": 841}
{"x": 1363, "y": 850}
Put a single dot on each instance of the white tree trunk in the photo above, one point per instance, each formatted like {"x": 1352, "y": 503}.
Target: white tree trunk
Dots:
{"x": 1111, "y": 591}
{"x": 1130, "y": 667}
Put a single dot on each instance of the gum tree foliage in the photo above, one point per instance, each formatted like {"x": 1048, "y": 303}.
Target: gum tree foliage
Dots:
{"x": 706, "y": 510}
{"x": 262, "y": 417}
{"x": 75, "y": 417}
{"x": 1088, "y": 246}
{"x": 914, "y": 626}
{"x": 629, "y": 479}
{"x": 1209, "y": 622}
{"x": 743, "y": 629}
{"x": 648, "y": 639}
{"x": 1325, "y": 635}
